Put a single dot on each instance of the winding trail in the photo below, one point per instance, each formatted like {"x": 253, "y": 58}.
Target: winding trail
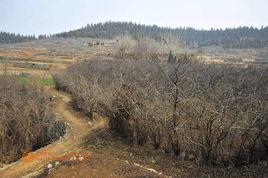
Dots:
{"x": 37, "y": 161}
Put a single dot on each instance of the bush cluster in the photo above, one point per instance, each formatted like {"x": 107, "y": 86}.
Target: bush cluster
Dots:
{"x": 216, "y": 114}
{"x": 26, "y": 120}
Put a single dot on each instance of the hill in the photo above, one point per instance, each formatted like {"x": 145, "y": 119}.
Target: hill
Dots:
{"x": 242, "y": 37}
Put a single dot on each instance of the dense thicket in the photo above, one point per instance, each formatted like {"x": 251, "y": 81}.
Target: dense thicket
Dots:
{"x": 242, "y": 37}
{"x": 26, "y": 120}
{"x": 14, "y": 38}
{"x": 213, "y": 113}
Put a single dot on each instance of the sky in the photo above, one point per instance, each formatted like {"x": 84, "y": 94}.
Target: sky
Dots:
{"x": 53, "y": 16}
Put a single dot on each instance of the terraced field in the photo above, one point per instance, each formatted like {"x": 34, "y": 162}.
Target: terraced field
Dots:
{"x": 43, "y": 57}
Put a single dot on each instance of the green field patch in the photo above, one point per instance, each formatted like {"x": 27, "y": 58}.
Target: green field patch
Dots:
{"x": 37, "y": 80}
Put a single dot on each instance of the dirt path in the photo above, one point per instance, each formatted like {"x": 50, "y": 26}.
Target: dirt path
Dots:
{"x": 36, "y": 161}
{"x": 69, "y": 147}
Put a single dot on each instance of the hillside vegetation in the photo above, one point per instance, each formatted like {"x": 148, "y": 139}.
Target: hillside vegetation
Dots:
{"x": 242, "y": 37}
{"x": 192, "y": 111}
{"x": 27, "y": 122}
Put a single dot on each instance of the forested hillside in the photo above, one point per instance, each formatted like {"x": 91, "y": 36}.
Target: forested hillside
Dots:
{"x": 242, "y": 37}
{"x": 14, "y": 38}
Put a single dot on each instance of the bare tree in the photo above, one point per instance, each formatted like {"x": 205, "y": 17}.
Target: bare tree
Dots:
{"x": 214, "y": 113}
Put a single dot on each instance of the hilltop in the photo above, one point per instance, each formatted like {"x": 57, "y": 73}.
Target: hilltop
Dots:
{"x": 242, "y": 37}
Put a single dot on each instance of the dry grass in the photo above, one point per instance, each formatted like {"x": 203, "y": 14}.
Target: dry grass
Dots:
{"x": 106, "y": 143}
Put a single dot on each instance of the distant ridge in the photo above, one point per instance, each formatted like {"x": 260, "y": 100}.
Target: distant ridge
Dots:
{"x": 242, "y": 37}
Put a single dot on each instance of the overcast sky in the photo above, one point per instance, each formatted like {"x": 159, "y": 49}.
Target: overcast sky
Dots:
{"x": 52, "y": 16}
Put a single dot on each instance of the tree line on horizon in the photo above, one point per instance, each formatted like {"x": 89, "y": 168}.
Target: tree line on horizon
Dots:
{"x": 242, "y": 37}
{"x": 6, "y": 37}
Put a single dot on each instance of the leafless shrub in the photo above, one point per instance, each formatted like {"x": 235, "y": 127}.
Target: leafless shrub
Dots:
{"x": 213, "y": 113}
{"x": 144, "y": 50}
{"x": 121, "y": 52}
{"x": 26, "y": 120}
